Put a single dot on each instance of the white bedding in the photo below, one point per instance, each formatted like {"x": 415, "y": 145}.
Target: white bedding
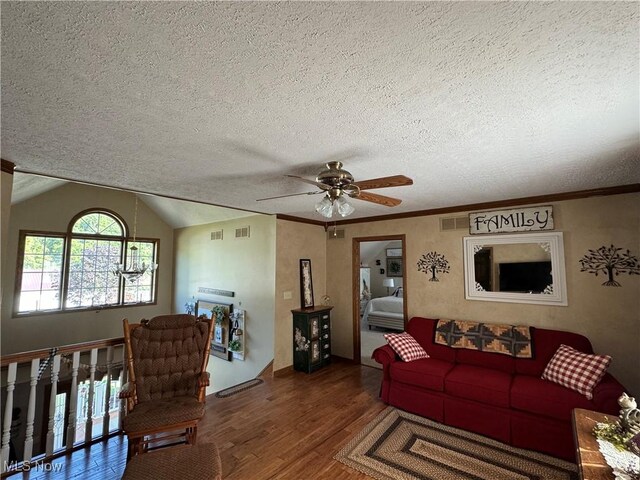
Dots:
{"x": 388, "y": 308}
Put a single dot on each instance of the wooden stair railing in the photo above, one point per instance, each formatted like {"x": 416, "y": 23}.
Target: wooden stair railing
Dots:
{"x": 30, "y": 367}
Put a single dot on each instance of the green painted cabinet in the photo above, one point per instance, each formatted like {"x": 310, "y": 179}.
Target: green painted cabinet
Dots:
{"x": 311, "y": 338}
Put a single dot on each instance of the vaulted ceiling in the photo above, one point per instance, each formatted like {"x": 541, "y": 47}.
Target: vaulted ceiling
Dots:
{"x": 217, "y": 101}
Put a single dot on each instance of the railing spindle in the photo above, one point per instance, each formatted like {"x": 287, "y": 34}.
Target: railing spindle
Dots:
{"x": 73, "y": 401}
{"x": 31, "y": 410}
{"x": 55, "y": 372}
{"x": 88, "y": 431}
{"x": 107, "y": 395}
{"x": 8, "y": 415}
{"x": 123, "y": 380}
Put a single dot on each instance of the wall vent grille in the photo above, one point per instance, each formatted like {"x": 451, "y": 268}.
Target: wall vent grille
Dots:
{"x": 334, "y": 233}
{"x": 243, "y": 232}
{"x": 217, "y": 235}
{"x": 454, "y": 223}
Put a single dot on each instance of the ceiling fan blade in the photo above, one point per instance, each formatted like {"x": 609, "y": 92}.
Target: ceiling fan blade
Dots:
{"x": 379, "y": 199}
{"x": 290, "y": 195}
{"x": 310, "y": 182}
{"x": 384, "y": 182}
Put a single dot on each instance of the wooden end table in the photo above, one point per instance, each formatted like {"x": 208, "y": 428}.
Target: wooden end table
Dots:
{"x": 591, "y": 463}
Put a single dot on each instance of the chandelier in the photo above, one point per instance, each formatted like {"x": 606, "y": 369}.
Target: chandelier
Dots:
{"x": 135, "y": 268}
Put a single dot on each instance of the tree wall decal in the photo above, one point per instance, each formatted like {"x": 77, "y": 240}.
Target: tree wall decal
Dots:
{"x": 611, "y": 261}
{"x": 432, "y": 263}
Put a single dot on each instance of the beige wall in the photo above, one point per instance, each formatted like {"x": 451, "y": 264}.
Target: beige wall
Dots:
{"x": 245, "y": 266}
{"x": 608, "y": 316}
{"x": 5, "y": 198}
{"x": 52, "y": 211}
{"x": 295, "y": 241}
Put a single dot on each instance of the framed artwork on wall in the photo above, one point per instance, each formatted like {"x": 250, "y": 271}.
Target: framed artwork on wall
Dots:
{"x": 394, "y": 266}
{"x": 306, "y": 283}
{"x": 220, "y": 340}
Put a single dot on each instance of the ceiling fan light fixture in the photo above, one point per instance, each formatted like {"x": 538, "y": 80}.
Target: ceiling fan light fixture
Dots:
{"x": 325, "y": 207}
{"x": 344, "y": 208}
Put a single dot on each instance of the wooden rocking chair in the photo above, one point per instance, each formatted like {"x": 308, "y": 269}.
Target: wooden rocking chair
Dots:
{"x": 167, "y": 365}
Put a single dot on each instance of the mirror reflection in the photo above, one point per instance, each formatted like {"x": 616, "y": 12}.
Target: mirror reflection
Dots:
{"x": 524, "y": 268}
{"x": 518, "y": 268}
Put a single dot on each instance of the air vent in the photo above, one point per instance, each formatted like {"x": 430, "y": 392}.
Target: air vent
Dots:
{"x": 334, "y": 233}
{"x": 454, "y": 223}
{"x": 243, "y": 232}
{"x": 217, "y": 235}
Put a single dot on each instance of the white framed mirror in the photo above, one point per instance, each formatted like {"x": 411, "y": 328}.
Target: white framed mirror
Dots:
{"x": 520, "y": 268}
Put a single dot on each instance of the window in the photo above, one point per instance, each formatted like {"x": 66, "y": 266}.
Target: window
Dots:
{"x": 41, "y": 285}
{"x": 76, "y": 270}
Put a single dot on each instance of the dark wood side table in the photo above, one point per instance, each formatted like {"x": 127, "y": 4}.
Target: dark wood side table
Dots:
{"x": 591, "y": 463}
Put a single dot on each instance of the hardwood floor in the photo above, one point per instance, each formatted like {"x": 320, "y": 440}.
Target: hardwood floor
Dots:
{"x": 286, "y": 428}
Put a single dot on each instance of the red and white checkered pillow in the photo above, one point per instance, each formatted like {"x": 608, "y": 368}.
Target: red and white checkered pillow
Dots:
{"x": 405, "y": 346}
{"x": 576, "y": 370}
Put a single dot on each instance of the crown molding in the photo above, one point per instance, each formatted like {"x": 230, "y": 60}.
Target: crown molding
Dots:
{"x": 291, "y": 218}
{"x": 556, "y": 197}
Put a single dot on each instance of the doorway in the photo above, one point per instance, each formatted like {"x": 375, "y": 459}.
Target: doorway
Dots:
{"x": 381, "y": 261}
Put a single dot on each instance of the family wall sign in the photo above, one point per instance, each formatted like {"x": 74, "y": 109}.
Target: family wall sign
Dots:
{"x": 512, "y": 220}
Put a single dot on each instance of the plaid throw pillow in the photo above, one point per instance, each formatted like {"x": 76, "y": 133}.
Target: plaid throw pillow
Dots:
{"x": 405, "y": 346}
{"x": 576, "y": 370}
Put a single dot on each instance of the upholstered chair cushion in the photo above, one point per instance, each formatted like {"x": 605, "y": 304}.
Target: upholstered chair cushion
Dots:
{"x": 167, "y": 353}
{"x": 166, "y": 411}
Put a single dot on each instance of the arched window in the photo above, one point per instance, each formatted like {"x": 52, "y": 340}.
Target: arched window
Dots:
{"x": 78, "y": 270}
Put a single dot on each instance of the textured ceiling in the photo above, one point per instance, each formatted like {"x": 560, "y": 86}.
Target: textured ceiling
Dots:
{"x": 476, "y": 101}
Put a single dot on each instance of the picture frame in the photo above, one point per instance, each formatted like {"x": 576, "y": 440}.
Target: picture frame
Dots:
{"x": 306, "y": 284}
{"x": 394, "y": 252}
{"x": 220, "y": 338}
{"x": 394, "y": 267}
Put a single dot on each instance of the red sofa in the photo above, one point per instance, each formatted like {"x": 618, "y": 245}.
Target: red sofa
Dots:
{"x": 492, "y": 394}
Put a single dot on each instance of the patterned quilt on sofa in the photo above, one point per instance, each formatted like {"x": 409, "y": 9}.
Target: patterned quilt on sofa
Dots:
{"x": 486, "y": 337}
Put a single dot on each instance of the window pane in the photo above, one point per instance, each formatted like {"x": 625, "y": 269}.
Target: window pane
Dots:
{"x": 98, "y": 223}
{"x": 86, "y": 224}
{"x": 41, "y": 273}
{"x": 109, "y": 226}
{"x": 91, "y": 274}
{"x": 34, "y": 245}
{"x": 142, "y": 288}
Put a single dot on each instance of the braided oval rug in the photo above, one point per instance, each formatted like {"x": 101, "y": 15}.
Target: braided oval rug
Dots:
{"x": 397, "y": 445}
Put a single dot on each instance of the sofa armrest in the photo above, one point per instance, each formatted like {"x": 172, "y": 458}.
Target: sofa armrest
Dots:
{"x": 384, "y": 355}
{"x": 606, "y": 394}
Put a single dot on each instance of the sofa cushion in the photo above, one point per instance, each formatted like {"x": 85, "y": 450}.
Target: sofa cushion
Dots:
{"x": 542, "y": 397}
{"x": 576, "y": 370}
{"x": 483, "y": 385}
{"x": 407, "y": 348}
{"x": 545, "y": 343}
{"x": 422, "y": 330}
{"x": 426, "y": 373}
{"x": 493, "y": 361}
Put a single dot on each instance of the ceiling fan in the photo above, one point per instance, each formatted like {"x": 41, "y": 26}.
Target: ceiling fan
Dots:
{"x": 337, "y": 183}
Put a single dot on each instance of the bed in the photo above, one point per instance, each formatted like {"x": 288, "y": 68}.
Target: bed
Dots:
{"x": 385, "y": 312}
